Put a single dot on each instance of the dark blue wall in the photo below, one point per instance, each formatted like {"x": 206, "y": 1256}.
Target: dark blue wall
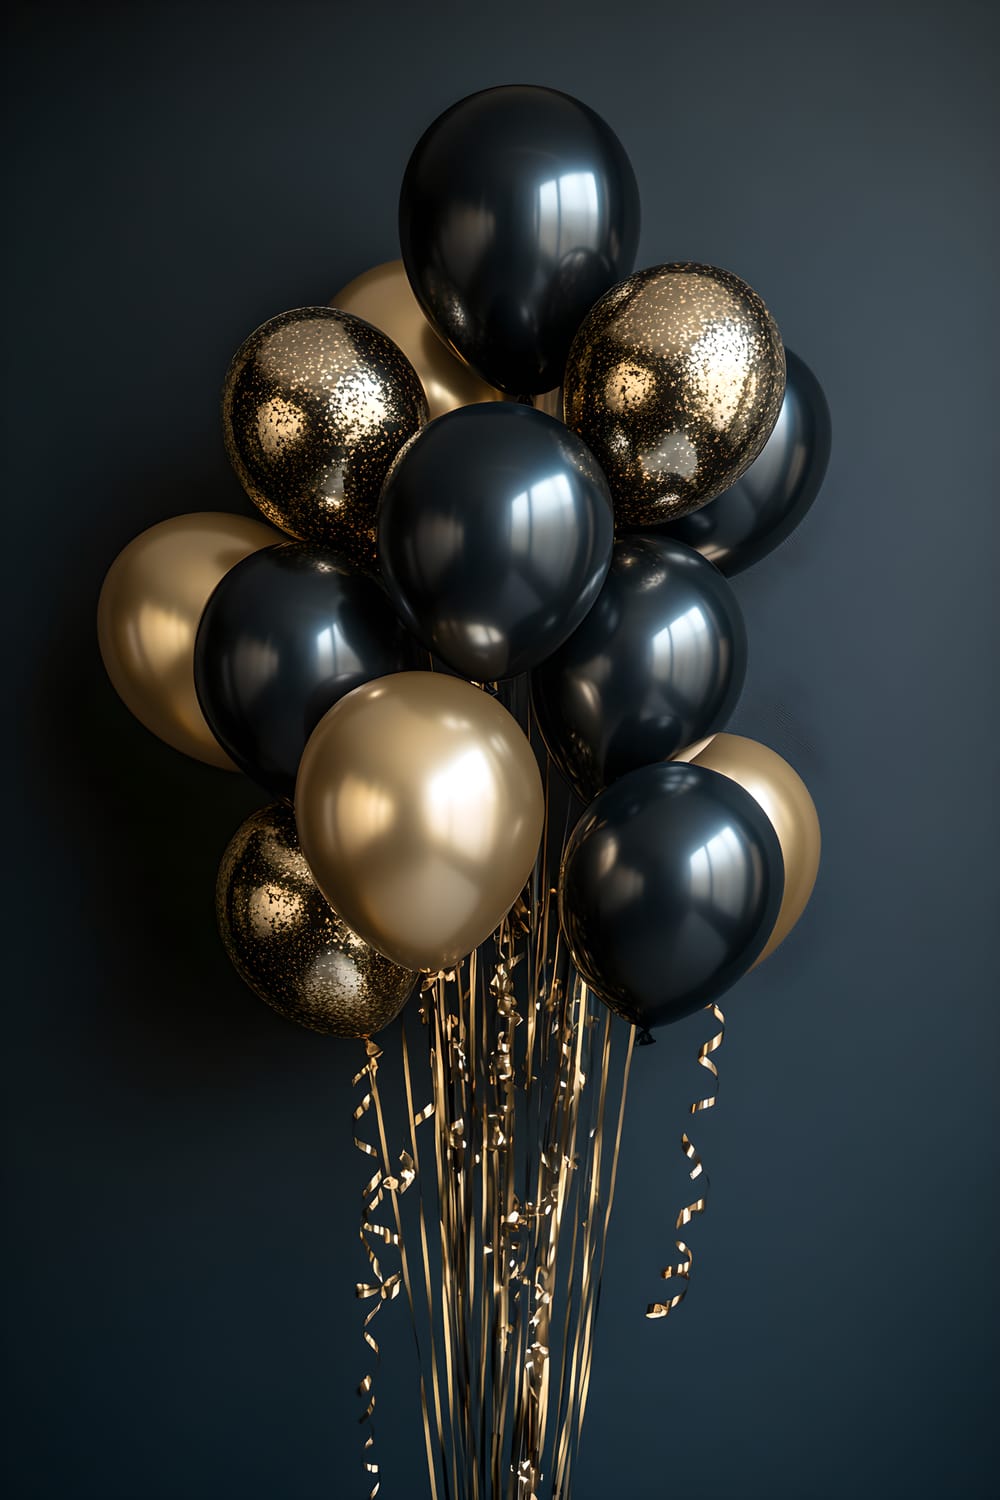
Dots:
{"x": 182, "y": 1198}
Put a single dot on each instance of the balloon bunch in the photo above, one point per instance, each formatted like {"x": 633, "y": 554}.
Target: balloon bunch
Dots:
{"x": 483, "y": 583}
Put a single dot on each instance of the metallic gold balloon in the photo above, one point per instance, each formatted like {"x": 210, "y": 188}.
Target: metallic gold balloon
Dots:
{"x": 289, "y": 945}
{"x": 674, "y": 380}
{"x": 382, "y": 296}
{"x": 785, "y": 799}
{"x": 148, "y": 614}
{"x": 315, "y": 407}
{"x": 420, "y": 811}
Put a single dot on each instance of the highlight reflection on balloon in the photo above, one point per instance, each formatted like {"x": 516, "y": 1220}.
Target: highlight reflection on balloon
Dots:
{"x": 420, "y": 810}
{"x": 675, "y": 381}
{"x": 316, "y": 405}
{"x": 383, "y": 296}
{"x": 147, "y": 618}
{"x": 784, "y": 797}
{"x": 656, "y": 665}
{"x": 289, "y": 945}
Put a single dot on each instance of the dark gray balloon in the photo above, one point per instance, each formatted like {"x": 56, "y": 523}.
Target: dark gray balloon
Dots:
{"x": 670, "y": 887}
{"x": 494, "y": 537}
{"x": 657, "y": 664}
{"x": 518, "y": 210}
{"x": 749, "y": 520}
{"x": 285, "y": 635}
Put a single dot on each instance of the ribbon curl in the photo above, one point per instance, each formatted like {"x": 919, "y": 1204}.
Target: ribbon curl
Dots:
{"x": 681, "y": 1269}
{"x": 382, "y": 1288}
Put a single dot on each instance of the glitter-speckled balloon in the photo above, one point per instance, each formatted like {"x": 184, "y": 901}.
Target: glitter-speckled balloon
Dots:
{"x": 316, "y": 405}
{"x": 288, "y": 943}
{"x": 674, "y": 380}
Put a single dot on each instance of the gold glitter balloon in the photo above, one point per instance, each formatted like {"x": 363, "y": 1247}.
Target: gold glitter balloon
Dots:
{"x": 675, "y": 380}
{"x": 288, "y": 944}
{"x": 148, "y": 614}
{"x": 316, "y": 405}
{"x": 383, "y": 296}
{"x": 785, "y": 799}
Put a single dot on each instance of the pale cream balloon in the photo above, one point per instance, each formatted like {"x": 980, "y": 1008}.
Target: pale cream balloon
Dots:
{"x": 148, "y": 614}
{"x": 784, "y": 797}
{"x": 420, "y": 809}
{"x": 383, "y": 297}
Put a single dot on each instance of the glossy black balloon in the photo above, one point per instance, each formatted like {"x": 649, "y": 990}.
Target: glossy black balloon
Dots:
{"x": 657, "y": 664}
{"x": 749, "y": 520}
{"x": 285, "y": 635}
{"x": 495, "y": 533}
{"x": 519, "y": 209}
{"x": 670, "y": 887}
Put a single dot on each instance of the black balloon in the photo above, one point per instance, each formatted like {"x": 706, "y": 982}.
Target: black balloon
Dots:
{"x": 749, "y": 520}
{"x": 670, "y": 887}
{"x": 494, "y": 536}
{"x": 657, "y": 664}
{"x": 519, "y": 209}
{"x": 285, "y": 635}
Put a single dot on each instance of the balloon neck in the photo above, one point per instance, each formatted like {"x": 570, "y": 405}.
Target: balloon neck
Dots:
{"x": 646, "y": 1037}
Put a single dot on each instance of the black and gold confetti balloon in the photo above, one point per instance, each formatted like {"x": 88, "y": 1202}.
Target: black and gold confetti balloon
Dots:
{"x": 316, "y": 405}
{"x": 288, "y": 944}
{"x": 674, "y": 380}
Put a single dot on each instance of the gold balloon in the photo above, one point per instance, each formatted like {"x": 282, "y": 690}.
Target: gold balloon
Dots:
{"x": 383, "y": 297}
{"x": 420, "y": 811}
{"x": 148, "y": 615}
{"x": 315, "y": 407}
{"x": 785, "y": 799}
{"x": 289, "y": 945}
{"x": 674, "y": 380}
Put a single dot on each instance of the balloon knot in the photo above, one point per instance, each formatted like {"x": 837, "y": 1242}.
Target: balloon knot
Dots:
{"x": 646, "y": 1037}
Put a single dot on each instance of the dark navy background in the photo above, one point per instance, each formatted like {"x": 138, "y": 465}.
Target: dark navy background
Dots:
{"x": 182, "y": 1188}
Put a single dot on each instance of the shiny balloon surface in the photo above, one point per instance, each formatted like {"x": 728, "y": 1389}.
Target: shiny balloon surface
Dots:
{"x": 785, "y": 799}
{"x": 759, "y": 511}
{"x": 495, "y": 535}
{"x": 147, "y": 619}
{"x": 420, "y": 810}
{"x": 670, "y": 886}
{"x": 519, "y": 209}
{"x": 288, "y": 944}
{"x": 316, "y": 405}
{"x": 675, "y": 381}
{"x": 384, "y": 297}
{"x": 656, "y": 665}
{"x": 284, "y": 636}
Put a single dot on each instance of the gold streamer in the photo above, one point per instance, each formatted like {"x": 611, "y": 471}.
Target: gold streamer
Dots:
{"x": 681, "y": 1269}
{"x": 522, "y": 1060}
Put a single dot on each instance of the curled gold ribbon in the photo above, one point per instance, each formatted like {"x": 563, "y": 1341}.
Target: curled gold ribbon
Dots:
{"x": 381, "y": 1288}
{"x": 681, "y": 1269}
